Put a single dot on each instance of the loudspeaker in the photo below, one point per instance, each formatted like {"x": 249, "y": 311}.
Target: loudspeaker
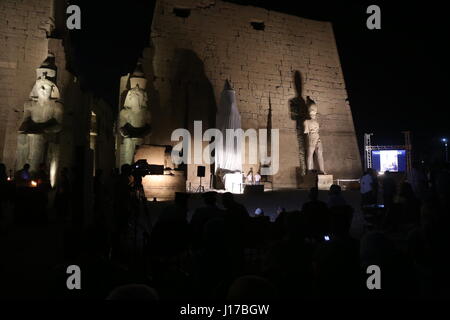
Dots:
{"x": 252, "y": 189}
{"x": 201, "y": 171}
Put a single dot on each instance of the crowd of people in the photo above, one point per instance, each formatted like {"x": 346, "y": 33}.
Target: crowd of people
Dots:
{"x": 221, "y": 251}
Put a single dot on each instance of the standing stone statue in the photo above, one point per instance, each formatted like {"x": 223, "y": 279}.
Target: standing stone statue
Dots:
{"x": 314, "y": 145}
{"x": 42, "y": 120}
{"x": 134, "y": 117}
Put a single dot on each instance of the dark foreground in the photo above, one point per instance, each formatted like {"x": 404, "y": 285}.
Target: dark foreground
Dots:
{"x": 299, "y": 247}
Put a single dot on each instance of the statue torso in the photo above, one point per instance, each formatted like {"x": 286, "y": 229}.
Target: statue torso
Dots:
{"x": 41, "y": 118}
{"x": 137, "y": 119}
{"x": 135, "y": 110}
{"x": 313, "y": 126}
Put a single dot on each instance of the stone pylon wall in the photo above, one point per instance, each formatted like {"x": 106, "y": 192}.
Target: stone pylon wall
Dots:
{"x": 23, "y": 47}
{"x": 191, "y": 57}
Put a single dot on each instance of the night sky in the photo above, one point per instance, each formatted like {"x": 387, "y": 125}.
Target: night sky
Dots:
{"x": 394, "y": 76}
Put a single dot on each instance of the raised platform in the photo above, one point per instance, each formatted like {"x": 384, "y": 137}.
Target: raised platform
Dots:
{"x": 314, "y": 179}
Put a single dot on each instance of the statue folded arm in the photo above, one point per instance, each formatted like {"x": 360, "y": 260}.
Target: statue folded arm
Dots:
{"x": 148, "y": 117}
{"x": 306, "y": 126}
{"x": 27, "y": 124}
{"x": 55, "y": 124}
{"x": 122, "y": 122}
{"x": 52, "y": 125}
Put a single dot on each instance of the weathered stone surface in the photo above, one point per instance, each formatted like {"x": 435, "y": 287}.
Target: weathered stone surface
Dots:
{"x": 23, "y": 46}
{"x": 190, "y": 59}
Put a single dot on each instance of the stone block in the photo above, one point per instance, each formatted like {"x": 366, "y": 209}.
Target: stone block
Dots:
{"x": 324, "y": 181}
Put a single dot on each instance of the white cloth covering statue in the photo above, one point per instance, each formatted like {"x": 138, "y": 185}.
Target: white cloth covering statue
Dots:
{"x": 228, "y": 117}
{"x": 228, "y": 163}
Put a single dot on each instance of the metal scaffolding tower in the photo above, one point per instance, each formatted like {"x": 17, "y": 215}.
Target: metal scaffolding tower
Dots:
{"x": 367, "y": 151}
{"x": 408, "y": 148}
{"x": 368, "y": 148}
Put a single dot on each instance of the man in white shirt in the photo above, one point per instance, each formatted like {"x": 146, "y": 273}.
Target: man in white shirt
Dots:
{"x": 257, "y": 178}
{"x": 250, "y": 176}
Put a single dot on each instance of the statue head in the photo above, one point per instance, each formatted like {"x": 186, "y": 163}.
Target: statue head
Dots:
{"x": 137, "y": 78}
{"x": 312, "y": 110}
{"x": 136, "y": 99}
{"x": 44, "y": 89}
{"x": 45, "y": 85}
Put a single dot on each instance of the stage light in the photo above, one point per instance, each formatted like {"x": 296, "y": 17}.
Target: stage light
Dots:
{"x": 34, "y": 184}
{"x": 380, "y": 173}
{"x": 444, "y": 141}
{"x": 53, "y": 169}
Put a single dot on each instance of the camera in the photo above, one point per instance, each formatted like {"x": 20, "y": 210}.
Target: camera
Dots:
{"x": 141, "y": 168}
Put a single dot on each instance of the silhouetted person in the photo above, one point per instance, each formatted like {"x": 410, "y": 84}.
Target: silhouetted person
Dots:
{"x": 236, "y": 224}
{"x": 443, "y": 186}
{"x": 122, "y": 197}
{"x": 336, "y": 261}
{"x": 23, "y": 195}
{"x": 396, "y": 279}
{"x": 375, "y": 185}
{"x": 99, "y": 198}
{"x": 340, "y": 223}
{"x": 316, "y": 215}
{"x": 23, "y": 176}
{"x": 418, "y": 180}
{"x": 204, "y": 214}
{"x": 135, "y": 292}
{"x": 3, "y": 188}
{"x": 279, "y": 225}
{"x": 335, "y": 197}
{"x": 63, "y": 194}
{"x": 42, "y": 176}
{"x": 410, "y": 204}
{"x": 213, "y": 264}
{"x": 259, "y": 231}
{"x": 288, "y": 263}
{"x": 252, "y": 288}
{"x": 99, "y": 276}
{"x": 43, "y": 187}
{"x": 123, "y": 205}
{"x": 367, "y": 188}
{"x": 77, "y": 206}
{"x": 389, "y": 189}
{"x": 168, "y": 248}
{"x": 233, "y": 209}
{"x": 3, "y": 175}
{"x": 170, "y": 240}
{"x": 178, "y": 211}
